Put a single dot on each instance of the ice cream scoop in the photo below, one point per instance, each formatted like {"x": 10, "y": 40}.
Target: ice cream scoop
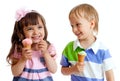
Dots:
{"x": 81, "y": 56}
{"x": 27, "y": 43}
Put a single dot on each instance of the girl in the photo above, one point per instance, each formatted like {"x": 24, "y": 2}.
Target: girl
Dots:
{"x": 37, "y": 63}
{"x": 84, "y": 21}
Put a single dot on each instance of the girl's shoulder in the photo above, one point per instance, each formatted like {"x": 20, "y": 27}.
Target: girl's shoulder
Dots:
{"x": 51, "y": 45}
{"x": 52, "y": 50}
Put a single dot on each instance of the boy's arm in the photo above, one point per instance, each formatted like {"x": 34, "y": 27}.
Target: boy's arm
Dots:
{"x": 67, "y": 70}
{"x": 109, "y": 75}
{"x": 77, "y": 68}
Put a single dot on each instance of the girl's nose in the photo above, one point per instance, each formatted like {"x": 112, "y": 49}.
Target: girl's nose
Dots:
{"x": 36, "y": 31}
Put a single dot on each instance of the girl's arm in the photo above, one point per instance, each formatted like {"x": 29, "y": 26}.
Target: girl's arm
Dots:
{"x": 50, "y": 62}
{"x": 17, "y": 69}
{"x": 109, "y": 75}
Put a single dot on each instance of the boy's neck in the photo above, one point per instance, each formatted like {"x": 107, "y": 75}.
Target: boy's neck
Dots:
{"x": 87, "y": 42}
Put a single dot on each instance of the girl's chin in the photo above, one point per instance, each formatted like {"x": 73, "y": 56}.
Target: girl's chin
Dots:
{"x": 36, "y": 42}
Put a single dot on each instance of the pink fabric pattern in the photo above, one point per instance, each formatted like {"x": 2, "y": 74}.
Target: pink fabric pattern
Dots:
{"x": 20, "y": 13}
{"x": 52, "y": 51}
{"x": 35, "y": 69}
{"x": 35, "y": 76}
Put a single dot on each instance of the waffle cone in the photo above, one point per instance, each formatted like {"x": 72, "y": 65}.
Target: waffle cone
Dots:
{"x": 81, "y": 58}
{"x": 28, "y": 46}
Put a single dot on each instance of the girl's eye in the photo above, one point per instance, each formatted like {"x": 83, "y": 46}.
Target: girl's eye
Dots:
{"x": 29, "y": 29}
{"x": 39, "y": 27}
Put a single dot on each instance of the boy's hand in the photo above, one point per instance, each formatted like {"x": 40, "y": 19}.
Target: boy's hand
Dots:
{"x": 79, "y": 67}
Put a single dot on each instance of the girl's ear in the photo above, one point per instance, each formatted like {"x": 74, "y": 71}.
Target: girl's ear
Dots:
{"x": 92, "y": 24}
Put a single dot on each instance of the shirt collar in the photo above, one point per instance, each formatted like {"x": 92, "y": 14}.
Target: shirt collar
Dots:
{"x": 76, "y": 44}
{"x": 94, "y": 46}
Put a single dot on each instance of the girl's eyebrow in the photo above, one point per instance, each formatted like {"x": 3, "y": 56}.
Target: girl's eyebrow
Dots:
{"x": 40, "y": 25}
{"x": 27, "y": 27}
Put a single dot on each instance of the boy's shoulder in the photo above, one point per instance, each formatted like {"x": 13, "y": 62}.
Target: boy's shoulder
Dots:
{"x": 100, "y": 44}
{"x": 70, "y": 43}
{"x": 68, "y": 47}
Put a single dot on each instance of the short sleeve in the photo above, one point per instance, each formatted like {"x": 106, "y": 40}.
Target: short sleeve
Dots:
{"x": 52, "y": 51}
{"x": 64, "y": 61}
{"x": 16, "y": 54}
{"x": 107, "y": 62}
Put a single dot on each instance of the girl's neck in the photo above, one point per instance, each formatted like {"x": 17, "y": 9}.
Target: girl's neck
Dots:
{"x": 87, "y": 42}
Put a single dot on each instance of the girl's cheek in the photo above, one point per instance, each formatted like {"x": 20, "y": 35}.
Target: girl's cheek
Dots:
{"x": 28, "y": 35}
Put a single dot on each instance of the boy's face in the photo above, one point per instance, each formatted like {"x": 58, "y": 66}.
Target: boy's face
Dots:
{"x": 82, "y": 28}
{"x": 35, "y": 32}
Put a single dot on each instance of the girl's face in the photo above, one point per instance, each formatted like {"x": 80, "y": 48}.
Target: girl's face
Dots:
{"x": 35, "y": 32}
{"x": 82, "y": 28}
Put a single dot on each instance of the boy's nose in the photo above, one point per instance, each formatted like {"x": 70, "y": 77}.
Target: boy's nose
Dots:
{"x": 74, "y": 28}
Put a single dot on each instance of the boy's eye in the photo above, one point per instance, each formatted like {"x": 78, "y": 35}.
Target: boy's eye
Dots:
{"x": 78, "y": 24}
{"x": 72, "y": 26}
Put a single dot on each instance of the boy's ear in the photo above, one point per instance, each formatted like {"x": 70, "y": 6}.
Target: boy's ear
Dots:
{"x": 92, "y": 24}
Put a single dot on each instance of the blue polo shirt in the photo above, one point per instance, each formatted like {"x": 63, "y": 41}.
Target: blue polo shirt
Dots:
{"x": 97, "y": 61}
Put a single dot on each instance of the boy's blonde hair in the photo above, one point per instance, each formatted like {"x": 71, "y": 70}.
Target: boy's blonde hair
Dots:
{"x": 88, "y": 12}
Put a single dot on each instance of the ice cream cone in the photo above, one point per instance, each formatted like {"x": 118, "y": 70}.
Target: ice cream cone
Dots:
{"x": 81, "y": 56}
{"x": 28, "y": 46}
{"x": 27, "y": 43}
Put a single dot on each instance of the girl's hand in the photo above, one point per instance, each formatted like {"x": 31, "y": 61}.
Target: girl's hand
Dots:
{"x": 26, "y": 53}
{"x": 43, "y": 46}
{"x": 79, "y": 67}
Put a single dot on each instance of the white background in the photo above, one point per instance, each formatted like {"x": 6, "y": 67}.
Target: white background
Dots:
{"x": 56, "y": 15}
